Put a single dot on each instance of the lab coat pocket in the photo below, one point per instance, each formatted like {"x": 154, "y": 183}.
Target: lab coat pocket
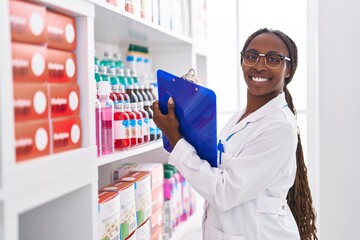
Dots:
{"x": 218, "y": 235}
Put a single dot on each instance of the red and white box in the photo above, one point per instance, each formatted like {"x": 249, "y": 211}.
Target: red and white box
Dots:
{"x": 61, "y": 66}
{"x": 29, "y": 62}
{"x": 158, "y": 235}
{"x": 61, "y": 31}
{"x": 66, "y": 134}
{"x": 156, "y": 171}
{"x": 144, "y": 231}
{"x": 32, "y": 139}
{"x": 30, "y": 101}
{"x": 64, "y": 99}
{"x": 157, "y": 198}
{"x": 109, "y": 215}
{"x": 28, "y": 22}
{"x": 156, "y": 219}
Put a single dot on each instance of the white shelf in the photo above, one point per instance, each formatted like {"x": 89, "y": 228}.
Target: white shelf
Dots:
{"x": 113, "y": 25}
{"x": 35, "y": 172}
{"x": 1, "y": 196}
{"x": 129, "y": 154}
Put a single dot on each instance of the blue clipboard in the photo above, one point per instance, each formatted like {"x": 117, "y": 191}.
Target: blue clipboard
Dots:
{"x": 195, "y": 108}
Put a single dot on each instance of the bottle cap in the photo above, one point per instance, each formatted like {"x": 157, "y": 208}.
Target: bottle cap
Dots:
{"x": 117, "y": 56}
{"x": 111, "y": 71}
{"x": 120, "y": 71}
{"x": 102, "y": 70}
{"x": 168, "y": 174}
{"x": 107, "y": 54}
{"x": 103, "y": 88}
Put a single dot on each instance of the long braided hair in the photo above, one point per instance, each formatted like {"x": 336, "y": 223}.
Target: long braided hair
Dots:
{"x": 299, "y": 196}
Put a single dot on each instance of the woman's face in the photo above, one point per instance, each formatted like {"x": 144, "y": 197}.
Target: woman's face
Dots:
{"x": 261, "y": 80}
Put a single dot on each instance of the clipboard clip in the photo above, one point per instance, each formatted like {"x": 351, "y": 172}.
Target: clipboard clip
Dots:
{"x": 190, "y": 76}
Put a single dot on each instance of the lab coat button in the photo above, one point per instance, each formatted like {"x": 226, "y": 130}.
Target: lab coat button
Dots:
{"x": 283, "y": 207}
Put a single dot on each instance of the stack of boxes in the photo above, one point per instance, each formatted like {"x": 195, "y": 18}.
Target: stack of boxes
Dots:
{"x": 153, "y": 219}
{"x": 46, "y": 96}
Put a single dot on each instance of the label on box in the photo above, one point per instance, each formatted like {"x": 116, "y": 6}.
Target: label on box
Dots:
{"x": 157, "y": 198}
{"x": 29, "y": 62}
{"x": 61, "y": 31}
{"x": 30, "y": 101}
{"x": 142, "y": 194}
{"x": 109, "y": 215}
{"x": 144, "y": 231}
{"x": 32, "y": 139}
{"x": 28, "y": 22}
{"x": 66, "y": 134}
{"x": 126, "y": 191}
{"x": 156, "y": 219}
{"x": 61, "y": 66}
{"x": 64, "y": 99}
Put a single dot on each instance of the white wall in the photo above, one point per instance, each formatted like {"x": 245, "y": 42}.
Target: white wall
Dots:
{"x": 338, "y": 115}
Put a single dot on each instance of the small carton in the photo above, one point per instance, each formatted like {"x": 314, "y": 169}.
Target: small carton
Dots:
{"x": 30, "y": 101}
{"x": 32, "y": 139}
{"x": 126, "y": 191}
{"x": 157, "y": 198}
{"x": 66, "y": 134}
{"x": 61, "y": 66}
{"x": 29, "y": 62}
{"x": 142, "y": 194}
{"x": 109, "y": 215}
{"x": 144, "y": 231}
{"x": 158, "y": 235}
{"x": 156, "y": 171}
{"x": 27, "y": 22}
{"x": 64, "y": 99}
{"x": 61, "y": 31}
{"x": 156, "y": 219}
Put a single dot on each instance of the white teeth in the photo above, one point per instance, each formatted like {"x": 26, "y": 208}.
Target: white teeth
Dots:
{"x": 257, "y": 79}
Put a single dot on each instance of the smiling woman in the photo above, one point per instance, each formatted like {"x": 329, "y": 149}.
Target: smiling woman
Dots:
{"x": 260, "y": 190}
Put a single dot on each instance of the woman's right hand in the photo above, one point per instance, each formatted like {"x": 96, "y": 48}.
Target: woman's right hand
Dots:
{"x": 168, "y": 124}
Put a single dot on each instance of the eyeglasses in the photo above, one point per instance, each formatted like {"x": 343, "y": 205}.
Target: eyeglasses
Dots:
{"x": 272, "y": 60}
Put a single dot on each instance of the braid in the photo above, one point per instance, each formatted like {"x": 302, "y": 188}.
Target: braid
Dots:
{"x": 299, "y": 196}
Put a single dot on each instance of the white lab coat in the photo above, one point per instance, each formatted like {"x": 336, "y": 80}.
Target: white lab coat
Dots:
{"x": 246, "y": 194}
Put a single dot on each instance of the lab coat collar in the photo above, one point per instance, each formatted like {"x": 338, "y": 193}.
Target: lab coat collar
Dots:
{"x": 275, "y": 103}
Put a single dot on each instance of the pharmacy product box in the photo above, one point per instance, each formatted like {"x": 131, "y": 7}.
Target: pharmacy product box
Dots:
{"x": 156, "y": 219}
{"x": 61, "y": 66}
{"x": 126, "y": 191}
{"x": 27, "y": 22}
{"x": 29, "y": 62}
{"x": 144, "y": 231}
{"x": 157, "y": 198}
{"x": 32, "y": 139}
{"x": 64, "y": 99}
{"x": 142, "y": 194}
{"x": 158, "y": 235}
{"x": 30, "y": 101}
{"x": 109, "y": 215}
{"x": 156, "y": 171}
{"x": 66, "y": 134}
{"x": 61, "y": 31}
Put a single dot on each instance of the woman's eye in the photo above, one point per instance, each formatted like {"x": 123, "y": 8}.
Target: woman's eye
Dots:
{"x": 273, "y": 59}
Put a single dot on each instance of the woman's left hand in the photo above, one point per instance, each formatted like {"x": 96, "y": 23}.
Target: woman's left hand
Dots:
{"x": 168, "y": 124}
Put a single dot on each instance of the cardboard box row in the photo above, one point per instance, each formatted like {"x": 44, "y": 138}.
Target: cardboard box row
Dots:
{"x": 36, "y": 63}
{"x": 43, "y": 137}
{"x": 33, "y": 23}
{"x": 45, "y": 100}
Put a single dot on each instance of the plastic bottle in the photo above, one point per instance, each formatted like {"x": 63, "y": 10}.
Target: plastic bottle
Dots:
{"x": 145, "y": 123}
{"x": 139, "y": 122}
{"x": 143, "y": 93}
{"x": 121, "y": 128}
{"x": 169, "y": 218}
{"x": 177, "y": 192}
{"x": 120, "y": 74}
{"x": 107, "y": 61}
{"x": 133, "y": 126}
{"x": 124, "y": 94}
{"x": 117, "y": 60}
{"x": 152, "y": 126}
{"x": 115, "y": 92}
{"x": 107, "y": 118}
{"x": 98, "y": 124}
{"x": 138, "y": 94}
{"x": 96, "y": 60}
{"x": 129, "y": 78}
{"x": 97, "y": 77}
{"x": 130, "y": 61}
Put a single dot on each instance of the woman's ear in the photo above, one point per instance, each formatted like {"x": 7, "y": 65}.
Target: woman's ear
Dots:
{"x": 288, "y": 73}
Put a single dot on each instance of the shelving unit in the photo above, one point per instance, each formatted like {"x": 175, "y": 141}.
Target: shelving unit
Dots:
{"x": 56, "y": 195}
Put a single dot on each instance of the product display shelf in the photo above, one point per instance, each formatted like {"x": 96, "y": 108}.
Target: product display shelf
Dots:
{"x": 127, "y": 27}
{"x": 130, "y": 153}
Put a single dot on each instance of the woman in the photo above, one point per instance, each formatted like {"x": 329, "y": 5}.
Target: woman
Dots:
{"x": 260, "y": 191}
